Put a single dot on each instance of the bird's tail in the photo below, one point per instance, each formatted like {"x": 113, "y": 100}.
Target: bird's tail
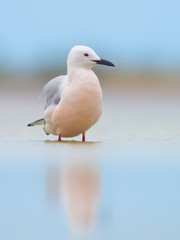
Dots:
{"x": 37, "y": 122}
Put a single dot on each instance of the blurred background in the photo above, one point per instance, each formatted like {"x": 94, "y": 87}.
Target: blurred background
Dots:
{"x": 141, "y": 38}
{"x": 36, "y": 36}
{"x": 130, "y": 165}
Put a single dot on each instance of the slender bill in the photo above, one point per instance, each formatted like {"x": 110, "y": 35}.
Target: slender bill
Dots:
{"x": 104, "y": 62}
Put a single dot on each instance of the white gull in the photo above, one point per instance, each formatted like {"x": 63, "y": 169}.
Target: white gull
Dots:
{"x": 73, "y": 101}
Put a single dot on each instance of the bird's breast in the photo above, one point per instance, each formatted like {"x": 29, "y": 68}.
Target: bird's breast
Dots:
{"x": 79, "y": 108}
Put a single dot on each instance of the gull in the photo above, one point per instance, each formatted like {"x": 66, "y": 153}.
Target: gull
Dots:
{"x": 73, "y": 101}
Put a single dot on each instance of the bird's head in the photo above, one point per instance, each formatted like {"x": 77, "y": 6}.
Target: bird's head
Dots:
{"x": 82, "y": 56}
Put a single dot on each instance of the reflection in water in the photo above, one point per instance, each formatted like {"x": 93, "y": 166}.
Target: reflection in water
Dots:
{"x": 76, "y": 185}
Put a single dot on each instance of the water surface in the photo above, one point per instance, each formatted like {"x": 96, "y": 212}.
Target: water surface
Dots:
{"x": 123, "y": 183}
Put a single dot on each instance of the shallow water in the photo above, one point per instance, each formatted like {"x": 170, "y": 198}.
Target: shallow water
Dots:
{"x": 123, "y": 183}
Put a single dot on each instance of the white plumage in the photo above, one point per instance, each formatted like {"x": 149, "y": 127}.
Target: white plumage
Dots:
{"x": 74, "y": 101}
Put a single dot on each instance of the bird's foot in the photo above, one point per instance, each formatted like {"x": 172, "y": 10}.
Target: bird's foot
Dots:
{"x": 59, "y": 138}
{"x": 83, "y": 137}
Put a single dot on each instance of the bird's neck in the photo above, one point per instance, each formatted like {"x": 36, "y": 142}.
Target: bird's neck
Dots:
{"x": 72, "y": 71}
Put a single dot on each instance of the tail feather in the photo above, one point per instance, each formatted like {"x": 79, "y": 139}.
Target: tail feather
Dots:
{"x": 37, "y": 122}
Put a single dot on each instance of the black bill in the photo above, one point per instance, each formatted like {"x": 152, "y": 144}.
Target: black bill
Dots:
{"x": 104, "y": 62}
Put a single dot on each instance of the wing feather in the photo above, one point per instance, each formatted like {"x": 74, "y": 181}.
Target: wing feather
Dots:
{"x": 52, "y": 90}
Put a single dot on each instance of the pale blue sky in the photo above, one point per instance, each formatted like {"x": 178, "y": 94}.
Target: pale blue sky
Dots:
{"x": 133, "y": 33}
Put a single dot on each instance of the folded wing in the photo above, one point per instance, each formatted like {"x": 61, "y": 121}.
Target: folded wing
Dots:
{"x": 52, "y": 90}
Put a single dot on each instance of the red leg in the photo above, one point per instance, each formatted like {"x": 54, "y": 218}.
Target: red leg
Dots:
{"x": 83, "y": 137}
{"x": 59, "y": 138}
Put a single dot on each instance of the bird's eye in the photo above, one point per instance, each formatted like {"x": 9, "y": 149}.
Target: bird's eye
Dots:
{"x": 86, "y": 55}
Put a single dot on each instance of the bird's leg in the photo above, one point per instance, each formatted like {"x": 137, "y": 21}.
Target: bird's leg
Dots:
{"x": 59, "y": 138}
{"x": 83, "y": 137}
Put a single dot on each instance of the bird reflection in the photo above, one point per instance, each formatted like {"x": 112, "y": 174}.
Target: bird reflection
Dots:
{"x": 76, "y": 184}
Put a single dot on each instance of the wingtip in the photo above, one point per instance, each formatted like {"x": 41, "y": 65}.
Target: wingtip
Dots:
{"x": 29, "y": 125}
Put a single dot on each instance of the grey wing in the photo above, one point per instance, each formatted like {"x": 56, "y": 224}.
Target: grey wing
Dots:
{"x": 52, "y": 90}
